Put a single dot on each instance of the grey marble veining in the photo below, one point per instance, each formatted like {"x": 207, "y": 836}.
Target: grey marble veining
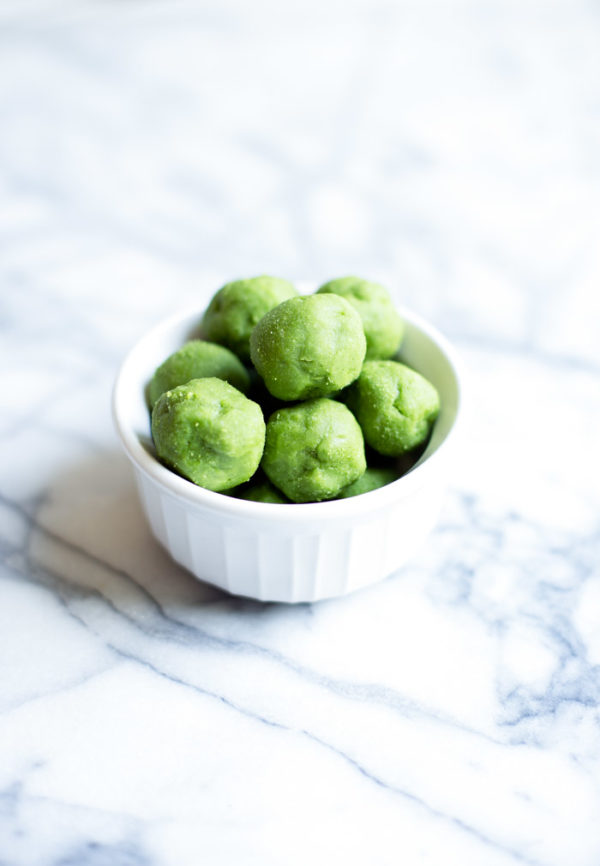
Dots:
{"x": 150, "y": 150}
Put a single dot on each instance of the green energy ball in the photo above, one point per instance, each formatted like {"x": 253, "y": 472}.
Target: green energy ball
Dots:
{"x": 383, "y": 326}
{"x": 395, "y": 406}
{"x": 263, "y": 492}
{"x": 313, "y": 450}
{"x": 198, "y": 360}
{"x": 237, "y": 307}
{"x": 209, "y": 432}
{"x": 308, "y": 346}
{"x": 371, "y": 479}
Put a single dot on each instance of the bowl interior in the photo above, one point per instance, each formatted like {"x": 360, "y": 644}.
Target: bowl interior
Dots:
{"x": 423, "y": 349}
{"x": 432, "y": 357}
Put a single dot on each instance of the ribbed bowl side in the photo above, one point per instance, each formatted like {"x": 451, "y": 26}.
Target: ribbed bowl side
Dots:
{"x": 150, "y": 500}
{"x": 285, "y": 562}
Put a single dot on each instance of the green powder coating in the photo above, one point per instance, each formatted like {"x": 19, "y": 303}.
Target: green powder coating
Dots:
{"x": 383, "y": 326}
{"x": 308, "y": 346}
{"x": 239, "y": 306}
{"x": 395, "y": 406}
{"x": 371, "y": 479}
{"x": 264, "y": 491}
{"x": 313, "y": 450}
{"x": 198, "y": 359}
{"x": 207, "y": 431}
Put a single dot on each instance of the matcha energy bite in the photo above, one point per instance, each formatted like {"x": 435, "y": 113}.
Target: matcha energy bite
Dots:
{"x": 263, "y": 491}
{"x": 198, "y": 359}
{"x": 308, "y": 346}
{"x": 209, "y": 432}
{"x": 383, "y": 326}
{"x": 313, "y": 450}
{"x": 394, "y": 405}
{"x": 371, "y": 479}
{"x": 236, "y": 308}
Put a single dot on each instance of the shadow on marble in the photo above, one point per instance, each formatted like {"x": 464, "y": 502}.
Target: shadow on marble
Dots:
{"x": 90, "y": 531}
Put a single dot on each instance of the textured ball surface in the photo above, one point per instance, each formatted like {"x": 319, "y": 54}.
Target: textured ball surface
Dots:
{"x": 313, "y": 450}
{"x": 308, "y": 346}
{"x": 395, "y": 406}
{"x": 382, "y": 325}
{"x": 198, "y": 359}
{"x": 209, "y": 432}
{"x": 263, "y": 491}
{"x": 238, "y": 306}
{"x": 371, "y": 479}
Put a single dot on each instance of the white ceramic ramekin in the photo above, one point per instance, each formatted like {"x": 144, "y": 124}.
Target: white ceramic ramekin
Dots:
{"x": 289, "y": 553}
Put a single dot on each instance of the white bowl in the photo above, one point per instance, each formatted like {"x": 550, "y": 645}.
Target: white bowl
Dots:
{"x": 296, "y": 552}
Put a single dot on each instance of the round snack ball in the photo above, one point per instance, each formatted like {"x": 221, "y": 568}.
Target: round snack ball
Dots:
{"x": 198, "y": 359}
{"x": 309, "y": 346}
{"x": 395, "y": 406}
{"x": 264, "y": 491}
{"x": 371, "y": 479}
{"x": 313, "y": 450}
{"x": 383, "y": 326}
{"x": 238, "y": 306}
{"x": 209, "y": 432}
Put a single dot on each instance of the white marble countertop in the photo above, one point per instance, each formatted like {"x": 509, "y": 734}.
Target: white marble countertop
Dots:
{"x": 449, "y": 715}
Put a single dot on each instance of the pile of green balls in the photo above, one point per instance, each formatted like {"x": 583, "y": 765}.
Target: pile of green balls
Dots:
{"x": 292, "y": 398}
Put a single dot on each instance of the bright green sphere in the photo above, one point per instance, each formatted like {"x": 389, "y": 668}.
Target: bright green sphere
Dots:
{"x": 263, "y": 491}
{"x": 238, "y": 306}
{"x": 371, "y": 479}
{"x": 198, "y": 359}
{"x": 383, "y": 326}
{"x": 313, "y": 450}
{"x": 309, "y": 346}
{"x": 207, "y": 431}
{"x": 395, "y": 406}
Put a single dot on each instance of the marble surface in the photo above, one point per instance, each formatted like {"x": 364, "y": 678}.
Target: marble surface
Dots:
{"x": 449, "y": 715}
